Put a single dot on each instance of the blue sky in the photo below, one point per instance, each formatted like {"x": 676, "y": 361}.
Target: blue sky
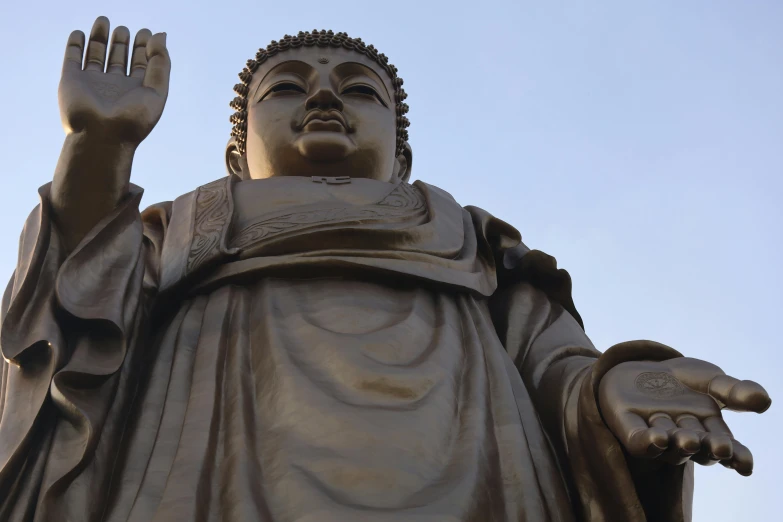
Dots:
{"x": 639, "y": 142}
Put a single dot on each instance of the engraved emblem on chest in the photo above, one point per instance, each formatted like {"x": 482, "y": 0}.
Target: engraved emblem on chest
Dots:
{"x": 339, "y": 180}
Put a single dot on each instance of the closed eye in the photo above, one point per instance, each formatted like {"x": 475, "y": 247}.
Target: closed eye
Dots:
{"x": 363, "y": 90}
{"x": 284, "y": 89}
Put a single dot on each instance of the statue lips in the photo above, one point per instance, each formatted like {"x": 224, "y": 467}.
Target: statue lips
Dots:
{"x": 331, "y": 121}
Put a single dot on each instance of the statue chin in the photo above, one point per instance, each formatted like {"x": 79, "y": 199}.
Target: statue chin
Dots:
{"x": 325, "y": 146}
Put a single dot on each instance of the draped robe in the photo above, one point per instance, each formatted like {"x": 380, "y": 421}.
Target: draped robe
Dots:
{"x": 295, "y": 351}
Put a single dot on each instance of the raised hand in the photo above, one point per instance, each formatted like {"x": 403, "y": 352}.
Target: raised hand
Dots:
{"x": 107, "y": 110}
{"x": 671, "y": 410}
{"x": 104, "y": 98}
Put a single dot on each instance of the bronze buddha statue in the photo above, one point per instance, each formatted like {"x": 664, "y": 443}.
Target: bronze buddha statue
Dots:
{"x": 312, "y": 337}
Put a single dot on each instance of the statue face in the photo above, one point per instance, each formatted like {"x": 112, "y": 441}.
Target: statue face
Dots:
{"x": 322, "y": 112}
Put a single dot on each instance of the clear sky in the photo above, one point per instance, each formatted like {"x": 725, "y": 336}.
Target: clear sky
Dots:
{"x": 639, "y": 142}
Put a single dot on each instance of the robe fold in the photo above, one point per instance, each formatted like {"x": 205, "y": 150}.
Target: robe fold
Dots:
{"x": 279, "y": 350}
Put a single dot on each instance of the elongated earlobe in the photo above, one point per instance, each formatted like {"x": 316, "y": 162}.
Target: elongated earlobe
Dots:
{"x": 404, "y": 163}
{"x": 236, "y": 162}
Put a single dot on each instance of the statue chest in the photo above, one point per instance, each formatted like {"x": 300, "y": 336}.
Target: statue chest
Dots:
{"x": 228, "y": 231}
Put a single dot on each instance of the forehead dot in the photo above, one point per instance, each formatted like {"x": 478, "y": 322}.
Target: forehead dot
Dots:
{"x": 323, "y": 59}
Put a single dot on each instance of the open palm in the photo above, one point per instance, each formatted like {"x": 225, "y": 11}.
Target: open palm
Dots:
{"x": 104, "y": 98}
{"x": 671, "y": 410}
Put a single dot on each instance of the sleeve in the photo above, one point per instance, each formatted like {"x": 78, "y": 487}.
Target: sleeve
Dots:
{"x": 537, "y": 322}
{"x": 67, "y": 322}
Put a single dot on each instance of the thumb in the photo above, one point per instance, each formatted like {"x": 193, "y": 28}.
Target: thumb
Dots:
{"x": 693, "y": 373}
{"x": 739, "y": 395}
{"x": 730, "y": 392}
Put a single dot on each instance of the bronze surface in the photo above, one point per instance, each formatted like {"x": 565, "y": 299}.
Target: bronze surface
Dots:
{"x": 313, "y": 338}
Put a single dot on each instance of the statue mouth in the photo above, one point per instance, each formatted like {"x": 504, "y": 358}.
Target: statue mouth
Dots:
{"x": 332, "y": 121}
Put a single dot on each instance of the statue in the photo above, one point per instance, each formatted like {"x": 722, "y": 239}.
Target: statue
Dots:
{"x": 312, "y": 337}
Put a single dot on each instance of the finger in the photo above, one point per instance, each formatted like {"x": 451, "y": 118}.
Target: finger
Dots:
{"x": 662, "y": 420}
{"x": 694, "y": 430}
{"x": 741, "y": 461}
{"x": 682, "y": 442}
{"x": 74, "y": 51}
{"x": 118, "y": 51}
{"x": 139, "y": 57}
{"x": 158, "y": 64}
{"x": 739, "y": 395}
{"x": 703, "y": 459}
{"x": 639, "y": 439}
{"x": 648, "y": 443}
{"x": 718, "y": 442}
{"x": 689, "y": 422}
{"x": 96, "y": 48}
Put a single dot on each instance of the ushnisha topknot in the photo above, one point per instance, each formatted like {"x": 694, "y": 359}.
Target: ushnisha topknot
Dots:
{"x": 310, "y": 39}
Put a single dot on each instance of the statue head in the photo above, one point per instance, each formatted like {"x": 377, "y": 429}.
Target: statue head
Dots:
{"x": 319, "y": 104}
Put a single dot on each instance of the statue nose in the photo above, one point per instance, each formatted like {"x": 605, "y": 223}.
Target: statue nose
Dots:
{"x": 324, "y": 99}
